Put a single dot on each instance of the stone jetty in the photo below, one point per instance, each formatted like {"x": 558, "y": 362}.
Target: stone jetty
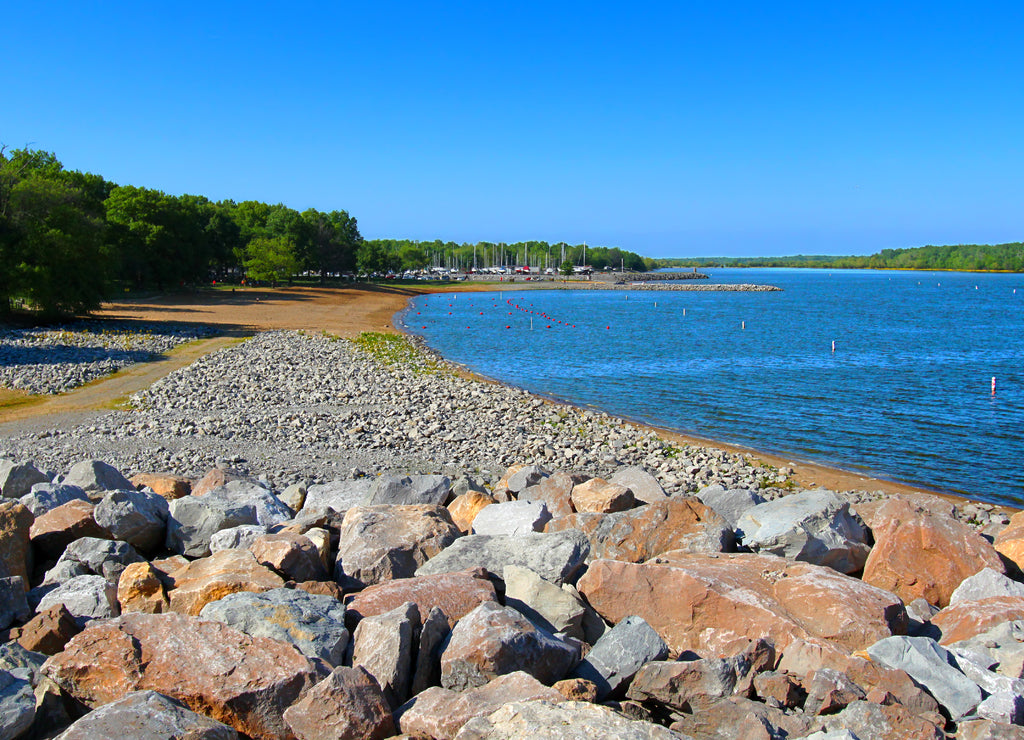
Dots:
{"x": 302, "y": 537}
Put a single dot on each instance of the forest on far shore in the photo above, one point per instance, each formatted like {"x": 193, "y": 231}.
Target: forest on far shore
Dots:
{"x": 994, "y": 257}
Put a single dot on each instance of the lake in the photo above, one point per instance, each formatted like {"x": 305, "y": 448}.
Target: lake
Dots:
{"x": 905, "y": 395}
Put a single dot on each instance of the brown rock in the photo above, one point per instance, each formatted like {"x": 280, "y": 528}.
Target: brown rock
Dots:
{"x": 216, "y": 478}
{"x": 865, "y": 719}
{"x": 440, "y": 713}
{"x": 293, "y": 556}
{"x": 213, "y": 578}
{"x": 555, "y": 491}
{"x": 598, "y": 495}
{"x": 718, "y": 603}
{"x": 780, "y": 688}
{"x": 347, "y": 705}
{"x": 168, "y": 486}
{"x": 1010, "y": 542}
{"x": 141, "y": 589}
{"x": 738, "y": 717}
{"x": 433, "y": 633}
{"x": 577, "y": 689}
{"x": 213, "y": 669}
{"x": 380, "y": 543}
{"x": 465, "y": 508}
{"x": 970, "y": 618}
{"x": 456, "y": 594}
{"x": 921, "y": 554}
{"x": 831, "y": 691}
{"x": 384, "y": 646}
{"x": 59, "y": 527}
{"x": 325, "y": 588}
{"x": 640, "y": 534}
{"x": 15, "y": 548}
{"x": 49, "y": 631}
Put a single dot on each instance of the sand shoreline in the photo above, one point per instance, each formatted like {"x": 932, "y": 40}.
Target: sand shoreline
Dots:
{"x": 347, "y": 311}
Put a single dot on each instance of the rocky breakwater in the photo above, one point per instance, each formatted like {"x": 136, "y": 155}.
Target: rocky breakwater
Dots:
{"x": 547, "y": 604}
{"x": 56, "y": 359}
{"x": 303, "y": 408}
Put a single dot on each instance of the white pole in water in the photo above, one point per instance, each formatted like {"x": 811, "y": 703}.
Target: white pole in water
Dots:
{"x": 684, "y": 312}
{"x": 833, "y": 345}
{"x": 993, "y": 386}
{"x": 743, "y": 324}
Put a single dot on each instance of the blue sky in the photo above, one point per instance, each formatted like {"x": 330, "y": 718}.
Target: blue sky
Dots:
{"x": 670, "y": 129}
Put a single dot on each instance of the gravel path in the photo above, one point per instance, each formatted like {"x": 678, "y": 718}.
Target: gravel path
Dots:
{"x": 291, "y": 406}
{"x": 57, "y": 359}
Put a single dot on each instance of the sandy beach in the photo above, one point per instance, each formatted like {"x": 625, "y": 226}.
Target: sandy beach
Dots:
{"x": 343, "y": 311}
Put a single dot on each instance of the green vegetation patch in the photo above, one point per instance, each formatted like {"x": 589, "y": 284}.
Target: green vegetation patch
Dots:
{"x": 397, "y": 351}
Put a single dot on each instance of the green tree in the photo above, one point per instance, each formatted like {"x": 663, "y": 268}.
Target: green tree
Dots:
{"x": 566, "y": 268}
{"x": 271, "y": 258}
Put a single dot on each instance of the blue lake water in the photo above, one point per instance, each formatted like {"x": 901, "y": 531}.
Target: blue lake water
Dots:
{"x": 906, "y": 395}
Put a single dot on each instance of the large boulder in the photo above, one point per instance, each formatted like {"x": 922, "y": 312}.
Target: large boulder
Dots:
{"x": 600, "y": 496}
{"x": 213, "y": 578}
{"x": 59, "y": 527}
{"x": 1003, "y": 645}
{"x": 428, "y": 490}
{"x": 17, "y": 479}
{"x": 465, "y": 507}
{"x": 96, "y": 475}
{"x": 456, "y": 594}
{"x": 440, "y": 713}
{"x": 619, "y": 654}
{"x": 731, "y": 503}
{"x": 294, "y": 556}
{"x": 339, "y": 495}
{"x": 17, "y": 704}
{"x": 640, "y": 534}
{"x": 1010, "y": 541}
{"x": 384, "y": 645}
{"x": 493, "y": 640}
{"x": 931, "y": 666}
{"x": 168, "y": 486}
{"x": 381, "y": 543}
{"x": 146, "y": 715}
{"x": 919, "y": 554}
{"x": 15, "y": 540}
{"x": 986, "y": 584}
{"x": 136, "y": 517}
{"x": 313, "y": 623}
{"x": 434, "y": 634}
{"x": 193, "y": 520}
{"x": 967, "y": 619}
{"x": 512, "y": 518}
{"x": 270, "y": 510}
{"x": 85, "y": 597}
{"x": 140, "y": 588}
{"x": 93, "y": 556}
{"x": 644, "y": 486}
{"x": 721, "y": 602}
{"x": 347, "y": 705}
{"x": 236, "y": 538}
{"x": 555, "y": 492}
{"x": 49, "y": 630}
{"x": 558, "y": 557}
{"x": 569, "y": 720}
{"x": 552, "y": 607}
{"x": 865, "y": 719}
{"x": 46, "y": 496}
{"x": 813, "y": 526}
{"x": 13, "y": 602}
{"x": 242, "y": 681}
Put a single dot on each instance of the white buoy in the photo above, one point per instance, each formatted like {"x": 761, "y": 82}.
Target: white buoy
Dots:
{"x": 743, "y": 324}
{"x": 531, "y": 323}
{"x": 833, "y": 345}
{"x": 993, "y": 386}
{"x": 655, "y": 304}
{"x": 684, "y": 312}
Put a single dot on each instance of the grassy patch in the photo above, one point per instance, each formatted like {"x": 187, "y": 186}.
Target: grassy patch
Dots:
{"x": 396, "y": 350}
{"x": 14, "y": 399}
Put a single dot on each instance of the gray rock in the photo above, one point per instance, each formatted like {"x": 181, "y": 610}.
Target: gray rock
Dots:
{"x": 93, "y": 556}
{"x": 314, "y": 623}
{"x": 976, "y": 667}
{"x": 552, "y": 607}
{"x": 13, "y": 657}
{"x": 46, "y": 496}
{"x": 96, "y": 475}
{"x": 557, "y": 556}
{"x": 13, "y": 602}
{"x": 17, "y": 704}
{"x": 1004, "y": 646}
{"x": 384, "y": 645}
{"x": 933, "y": 667}
{"x": 236, "y": 538}
{"x": 493, "y": 640}
{"x": 17, "y": 479}
{"x": 814, "y": 526}
{"x": 340, "y": 495}
{"x": 729, "y": 504}
{"x": 685, "y": 685}
{"x": 528, "y": 475}
{"x": 433, "y": 634}
{"x": 985, "y": 584}
{"x": 512, "y": 518}
{"x": 146, "y": 715}
{"x": 619, "y": 654}
{"x": 568, "y": 720}
{"x": 645, "y": 487}
{"x": 85, "y": 597}
{"x": 464, "y": 484}
{"x": 193, "y": 520}
{"x": 135, "y": 517}
{"x": 270, "y": 510}
{"x": 1004, "y": 707}
{"x": 867, "y": 721}
{"x": 380, "y": 543}
{"x": 294, "y": 496}
{"x": 410, "y": 489}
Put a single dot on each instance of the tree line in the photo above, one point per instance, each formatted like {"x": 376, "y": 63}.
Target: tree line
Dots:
{"x": 69, "y": 239}
{"x": 1007, "y": 257}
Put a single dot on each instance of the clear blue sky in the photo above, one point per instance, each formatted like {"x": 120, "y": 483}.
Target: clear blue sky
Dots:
{"x": 671, "y": 129}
